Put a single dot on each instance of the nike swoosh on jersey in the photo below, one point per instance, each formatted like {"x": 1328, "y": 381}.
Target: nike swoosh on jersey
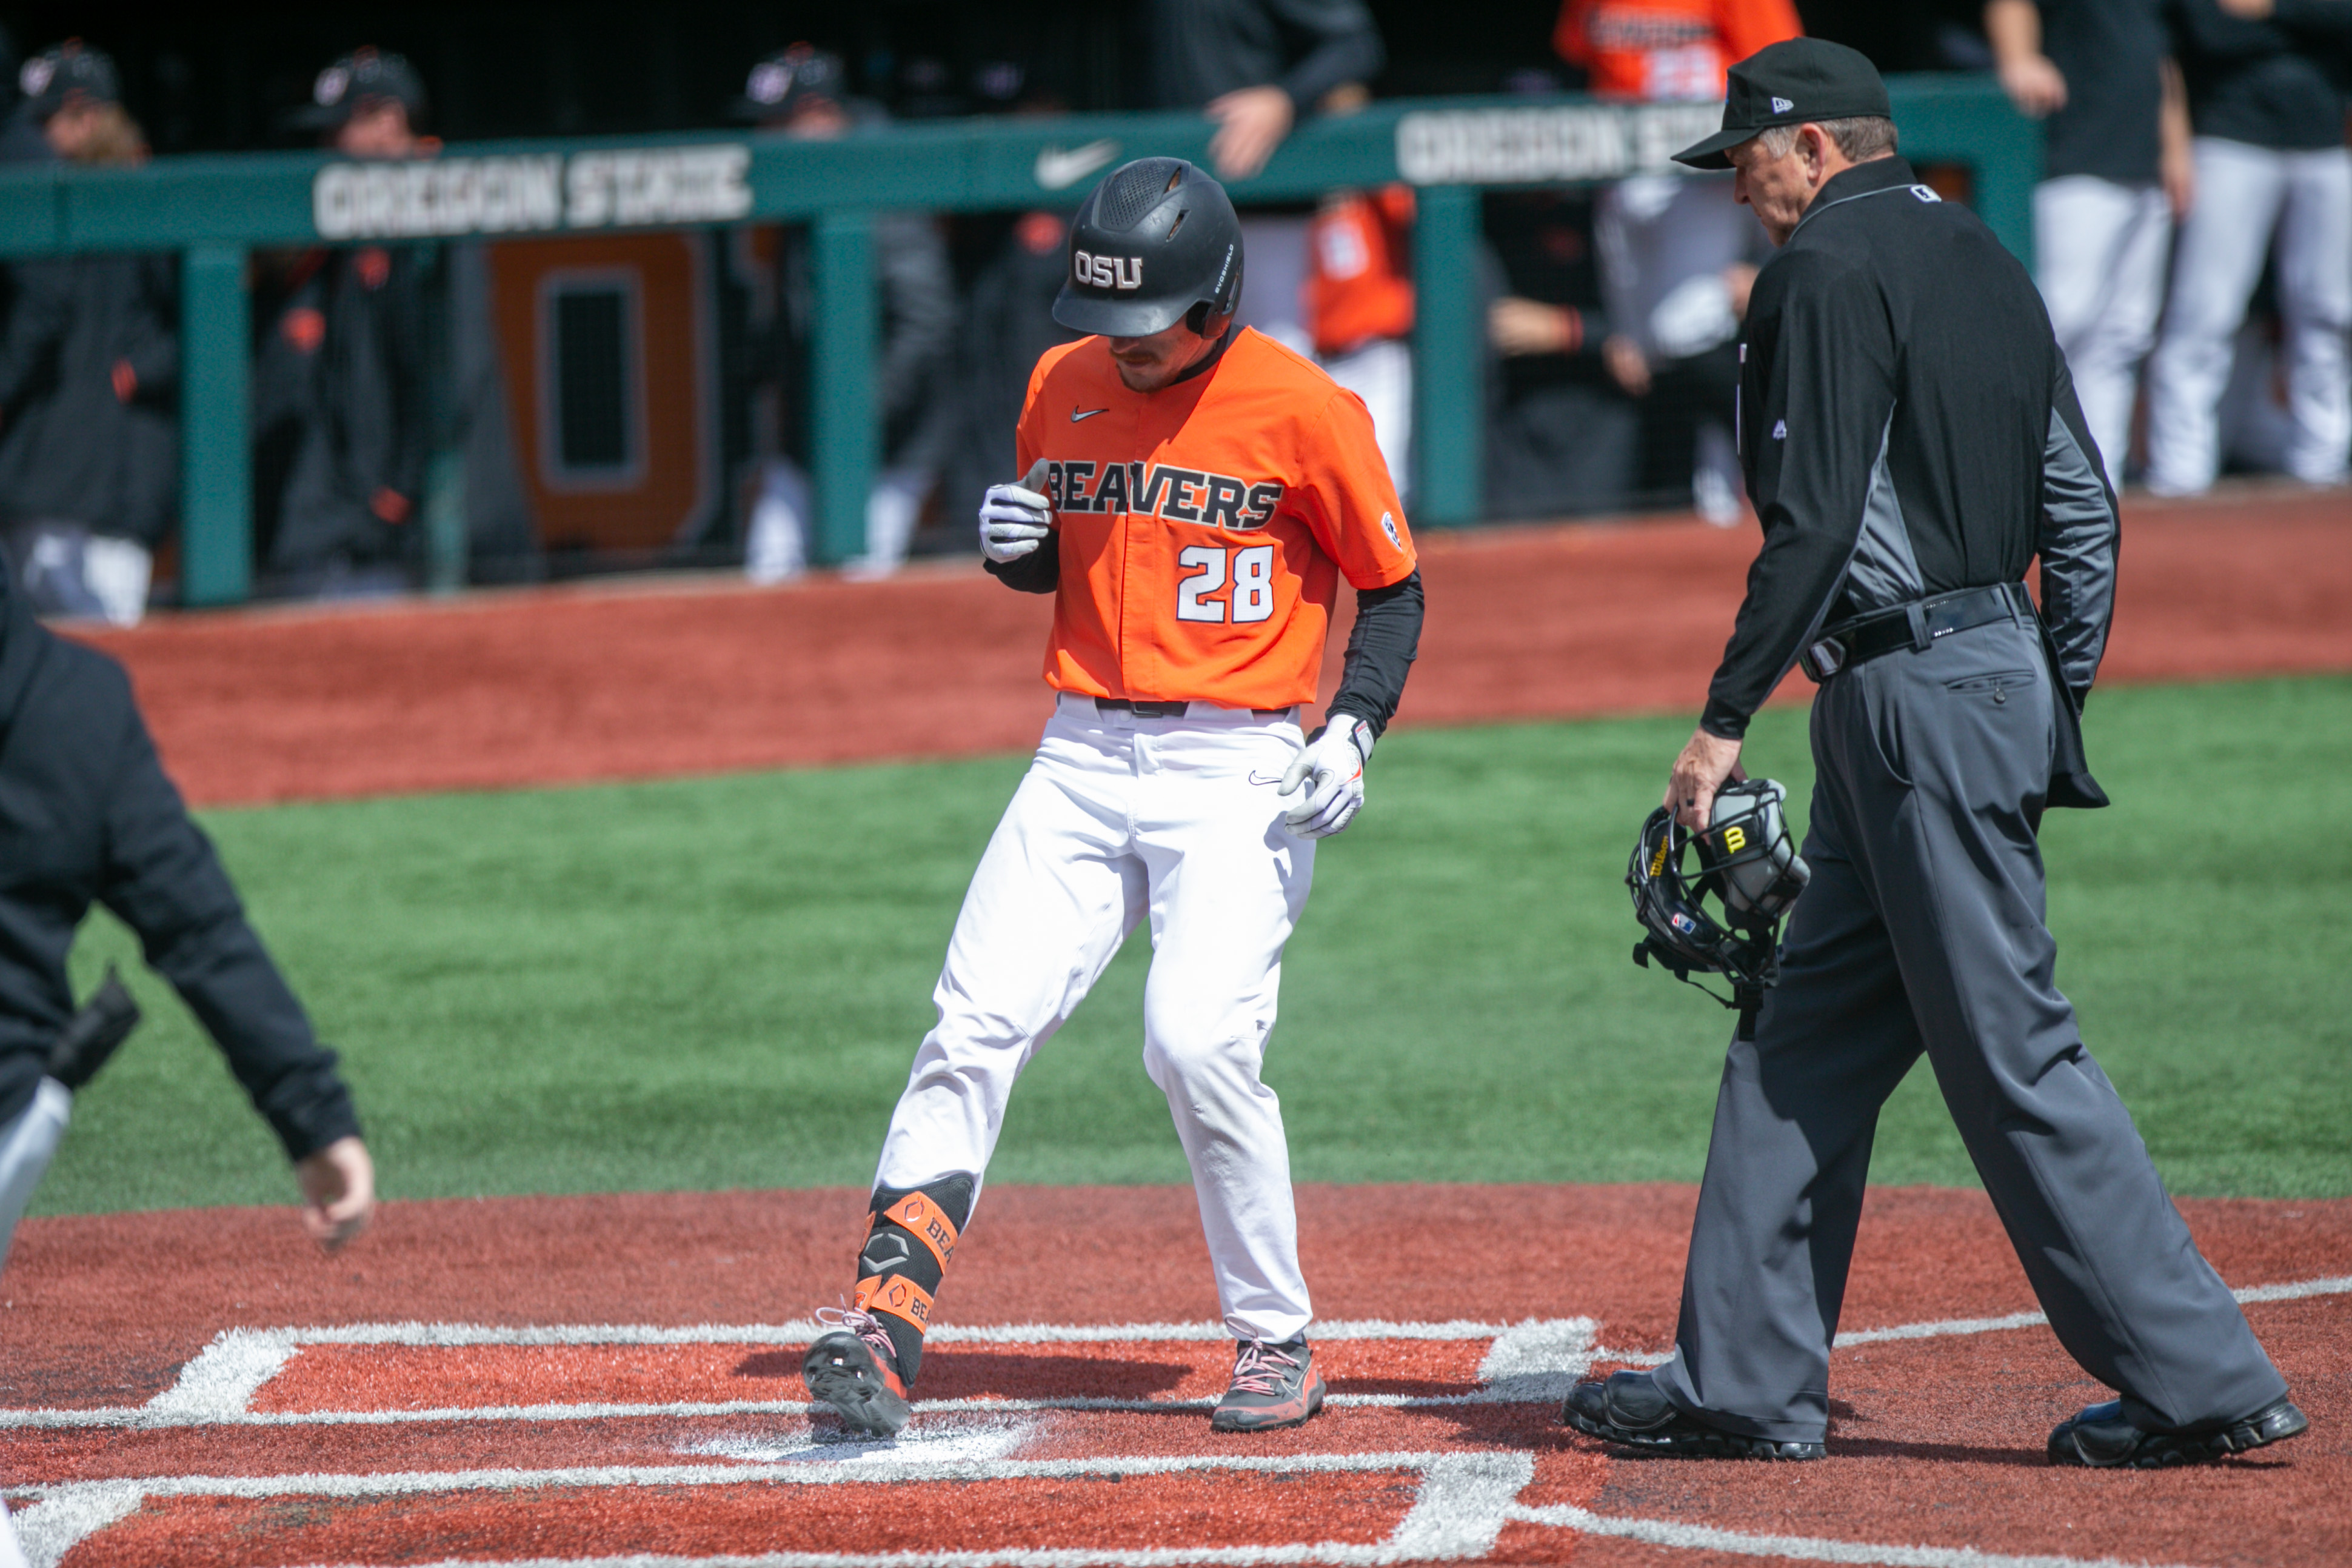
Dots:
{"x": 1075, "y": 415}
{"x": 1056, "y": 169}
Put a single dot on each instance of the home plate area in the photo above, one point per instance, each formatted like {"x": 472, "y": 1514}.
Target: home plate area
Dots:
{"x": 1060, "y": 1444}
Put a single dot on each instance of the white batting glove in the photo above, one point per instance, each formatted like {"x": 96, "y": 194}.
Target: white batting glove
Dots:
{"x": 1335, "y": 761}
{"x": 1014, "y": 517}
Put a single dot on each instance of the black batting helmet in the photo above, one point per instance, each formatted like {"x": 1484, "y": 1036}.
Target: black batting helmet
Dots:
{"x": 1748, "y": 865}
{"x": 1156, "y": 244}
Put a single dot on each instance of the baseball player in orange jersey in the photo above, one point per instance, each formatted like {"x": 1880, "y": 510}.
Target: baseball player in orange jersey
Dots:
{"x": 1193, "y": 495}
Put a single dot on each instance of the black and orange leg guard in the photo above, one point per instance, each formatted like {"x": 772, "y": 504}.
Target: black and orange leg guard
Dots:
{"x": 908, "y": 1241}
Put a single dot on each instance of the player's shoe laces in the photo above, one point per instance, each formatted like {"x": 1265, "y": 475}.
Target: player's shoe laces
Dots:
{"x": 1629, "y": 1408}
{"x": 1274, "y": 1385}
{"x": 855, "y": 1369}
{"x": 2103, "y": 1437}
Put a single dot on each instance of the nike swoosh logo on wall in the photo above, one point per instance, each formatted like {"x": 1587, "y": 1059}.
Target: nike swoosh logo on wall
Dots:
{"x": 1077, "y": 415}
{"x": 1057, "y": 169}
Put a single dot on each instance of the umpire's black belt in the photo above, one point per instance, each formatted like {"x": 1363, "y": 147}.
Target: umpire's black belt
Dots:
{"x": 1915, "y": 626}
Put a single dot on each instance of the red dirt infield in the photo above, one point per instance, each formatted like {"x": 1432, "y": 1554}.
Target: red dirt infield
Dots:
{"x": 655, "y": 679}
{"x": 613, "y": 1379}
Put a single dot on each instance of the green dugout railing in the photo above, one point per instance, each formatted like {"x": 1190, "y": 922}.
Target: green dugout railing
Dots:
{"x": 212, "y": 210}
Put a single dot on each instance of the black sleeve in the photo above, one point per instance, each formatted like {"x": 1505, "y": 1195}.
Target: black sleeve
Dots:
{"x": 1039, "y": 572}
{"x": 2078, "y": 540}
{"x": 1817, "y": 394}
{"x": 1380, "y": 648}
{"x": 1347, "y": 48}
{"x": 165, "y": 881}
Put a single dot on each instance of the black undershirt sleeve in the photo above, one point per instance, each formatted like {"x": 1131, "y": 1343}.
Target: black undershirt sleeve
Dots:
{"x": 1380, "y": 648}
{"x": 1039, "y": 572}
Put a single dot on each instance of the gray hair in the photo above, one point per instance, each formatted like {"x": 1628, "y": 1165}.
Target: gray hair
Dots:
{"x": 1861, "y": 139}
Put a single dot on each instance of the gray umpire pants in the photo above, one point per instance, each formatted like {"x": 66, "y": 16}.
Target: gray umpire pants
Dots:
{"x": 1923, "y": 928}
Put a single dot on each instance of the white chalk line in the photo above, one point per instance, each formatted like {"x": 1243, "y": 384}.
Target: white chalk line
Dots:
{"x": 1459, "y": 1509}
{"x": 217, "y": 1386}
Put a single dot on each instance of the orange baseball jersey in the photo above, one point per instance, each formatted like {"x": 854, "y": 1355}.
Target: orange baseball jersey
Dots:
{"x": 1202, "y": 529}
{"x": 1359, "y": 269}
{"x": 1667, "y": 49}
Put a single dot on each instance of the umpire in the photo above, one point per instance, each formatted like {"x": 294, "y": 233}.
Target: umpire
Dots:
{"x": 88, "y": 815}
{"x": 1912, "y": 440}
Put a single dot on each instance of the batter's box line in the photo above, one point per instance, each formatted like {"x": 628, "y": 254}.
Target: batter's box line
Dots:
{"x": 1530, "y": 1362}
{"x": 1459, "y": 1510}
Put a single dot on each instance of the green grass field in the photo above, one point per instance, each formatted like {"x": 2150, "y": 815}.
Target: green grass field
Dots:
{"x": 719, "y": 982}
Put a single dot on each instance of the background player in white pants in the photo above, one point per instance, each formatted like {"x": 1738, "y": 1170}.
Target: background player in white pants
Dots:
{"x": 2116, "y": 173}
{"x": 2271, "y": 171}
{"x": 1193, "y": 494}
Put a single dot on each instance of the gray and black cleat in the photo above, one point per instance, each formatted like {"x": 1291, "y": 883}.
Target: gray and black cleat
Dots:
{"x": 2103, "y": 1437}
{"x": 855, "y": 1370}
{"x": 1274, "y": 1387}
{"x": 1629, "y": 1408}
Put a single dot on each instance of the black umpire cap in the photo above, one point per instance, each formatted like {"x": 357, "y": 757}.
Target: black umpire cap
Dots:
{"x": 1156, "y": 242}
{"x": 363, "y": 76}
{"x": 58, "y": 75}
{"x": 790, "y": 77}
{"x": 1791, "y": 82}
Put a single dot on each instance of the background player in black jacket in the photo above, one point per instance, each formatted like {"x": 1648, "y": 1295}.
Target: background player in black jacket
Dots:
{"x": 1912, "y": 441}
{"x": 342, "y": 418}
{"x": 90, "y": 368}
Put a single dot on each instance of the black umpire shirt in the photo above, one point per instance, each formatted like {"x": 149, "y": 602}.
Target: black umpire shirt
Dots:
{"x": 1908, "y": 428}
{"x": 88, "y": 815}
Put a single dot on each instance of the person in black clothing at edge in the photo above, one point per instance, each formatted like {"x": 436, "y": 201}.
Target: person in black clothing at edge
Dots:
{"x": 342, "y": 421}
{"x": 1911, "y": 440}
{"x": 88, "y": 377}
{"x": 1562, "y": 438}
{"x": 88, "y": 815}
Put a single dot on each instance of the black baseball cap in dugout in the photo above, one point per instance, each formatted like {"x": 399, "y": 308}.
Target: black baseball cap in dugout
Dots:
{"x": 65, "y": 72}
{"x": 1155, "y": 243}
{"x": 785, "y": 80}
{"x": 1794, "y": 82}
{"x": 364, "y": 73}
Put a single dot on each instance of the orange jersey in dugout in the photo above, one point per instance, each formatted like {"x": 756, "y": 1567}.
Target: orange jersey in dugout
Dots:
{"x": 1203, "y": 527}
{"x": 1662, "y": 50}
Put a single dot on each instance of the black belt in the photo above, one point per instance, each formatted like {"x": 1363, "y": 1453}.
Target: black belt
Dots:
{"x": 1915, "y": 626}
{"x": 1167, "y": 710}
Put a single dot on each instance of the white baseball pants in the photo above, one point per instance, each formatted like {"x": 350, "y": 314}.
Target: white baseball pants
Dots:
{"x": 1120, "y": 817}
{"x": 2099, "y": 252}
{"x": 2243, "y": 195}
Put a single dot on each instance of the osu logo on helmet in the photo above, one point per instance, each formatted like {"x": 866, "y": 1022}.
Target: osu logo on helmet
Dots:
{"x": 1107, "y": 271}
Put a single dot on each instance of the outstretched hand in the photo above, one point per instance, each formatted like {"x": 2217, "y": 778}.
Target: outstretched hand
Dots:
{"x": 1707, "y": 762}
{"x": 338, "y": 1192}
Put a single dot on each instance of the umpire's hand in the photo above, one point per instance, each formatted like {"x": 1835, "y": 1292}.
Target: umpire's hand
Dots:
{"x": 338, "y": 1192}
{"x": 1705, "y": 763}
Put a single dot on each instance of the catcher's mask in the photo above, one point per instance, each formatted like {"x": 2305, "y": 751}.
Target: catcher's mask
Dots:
{"x": 1747, "y": 865}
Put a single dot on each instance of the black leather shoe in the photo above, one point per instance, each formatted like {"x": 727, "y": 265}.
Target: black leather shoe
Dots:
{"x": 2103, "y": 1437}
{"x": 1631, "y": 1410}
